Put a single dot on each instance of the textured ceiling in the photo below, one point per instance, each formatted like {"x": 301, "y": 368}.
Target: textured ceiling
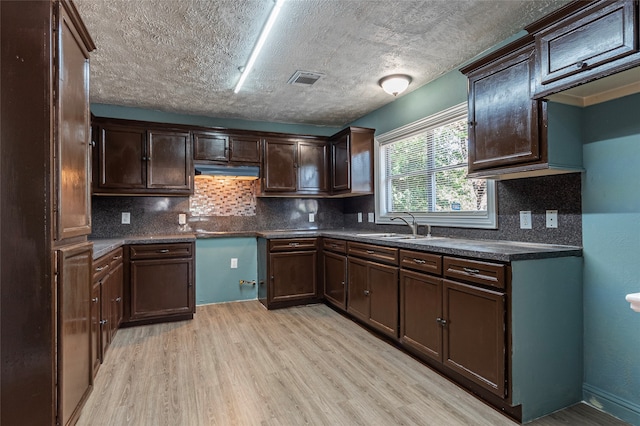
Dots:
{"x": 183, "y": 55}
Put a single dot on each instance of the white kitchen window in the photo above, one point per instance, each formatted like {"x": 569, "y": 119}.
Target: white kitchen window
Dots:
{"x": 421, "y": 168}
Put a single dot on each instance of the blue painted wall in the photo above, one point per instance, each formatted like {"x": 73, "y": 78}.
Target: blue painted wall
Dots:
{"x": 611, "y": 235}
{"x": 116, "y": 111}
{"x": 216, "y": 281}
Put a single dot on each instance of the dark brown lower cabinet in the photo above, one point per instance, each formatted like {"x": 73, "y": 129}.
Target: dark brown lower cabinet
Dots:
{"x": 335, "y": 279}
{"x": 420, "y": 309}
{"x": 161, "y": 283}
{"x": 373, "y": 287}
{"x": 474, "y": 334}
{"x": 75, "y": 366}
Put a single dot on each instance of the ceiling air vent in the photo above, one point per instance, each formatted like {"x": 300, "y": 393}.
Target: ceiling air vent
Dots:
{"x": 305, "y": 78}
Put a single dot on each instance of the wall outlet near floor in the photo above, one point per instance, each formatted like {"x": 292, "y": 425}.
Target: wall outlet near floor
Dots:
{"x": 126, "y": 218}
{"x": 234, "y": 263}
{"x": 182, "y": 219}
{"x": 525, "y": 220}
{"x": 371, "y": 218}
{"x": 552, "y": 218}
{"x": 312, "y": 217}
{"x": 359, "y": 217}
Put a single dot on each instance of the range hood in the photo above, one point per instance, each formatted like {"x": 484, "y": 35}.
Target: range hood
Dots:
{"x": 231, "y": 172}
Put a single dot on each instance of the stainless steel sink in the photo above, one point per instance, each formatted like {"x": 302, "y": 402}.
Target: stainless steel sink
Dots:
{"x": 391, "y": 236}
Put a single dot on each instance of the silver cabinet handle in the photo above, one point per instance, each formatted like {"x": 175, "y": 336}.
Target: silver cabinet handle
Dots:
{"x": 101, "y": 268}
{"x": 163, "y": 251}
{"x": 367, "y": 292}
{"x": 471, "y": 271}
{"x": 118, "y": 299}
{"x": 116, "y": 257}
{"x": 94, "y": 300}
{"x": 441, "y": 321}
{"x": 420, "y": 261}
{"x": 294, "y": 244}
{"x": 371, "y": 252}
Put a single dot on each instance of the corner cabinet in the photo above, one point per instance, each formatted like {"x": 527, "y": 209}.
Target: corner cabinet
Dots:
{"x": 351, "y": 164}
{"x": 585, "y": 41}
{"x": 161, "y": 283}
{"x": 134, "y": 158}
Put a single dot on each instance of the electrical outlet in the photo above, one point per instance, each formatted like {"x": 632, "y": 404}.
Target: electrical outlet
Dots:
{"x": 525, "y": 220}
{"x": 234, "y": 263}
{"x": 359, "y": 217}
{"x": 371, "y": 218}
{"x": 126, "y": 218}
{"x": 552, "y": 218}
{"x": 182, "y": 219}
{"x": 312, "y": 217}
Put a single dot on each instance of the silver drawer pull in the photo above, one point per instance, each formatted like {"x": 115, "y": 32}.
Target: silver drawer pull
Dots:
{"x": 471, "y": 271}
{"x": 116, "y": 257}
{"x": 294, "y": 244}
{"x": 163, "y": 251}
{"x": 371, "y": 252}
{"x": 101, "y": 268}
{"x": 420, "y": 261}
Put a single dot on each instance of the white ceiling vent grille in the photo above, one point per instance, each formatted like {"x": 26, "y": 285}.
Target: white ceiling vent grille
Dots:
{"x": 305, "y": 78}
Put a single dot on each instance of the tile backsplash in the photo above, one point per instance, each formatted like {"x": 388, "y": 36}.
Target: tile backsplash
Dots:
{"x": 219, "y": 196}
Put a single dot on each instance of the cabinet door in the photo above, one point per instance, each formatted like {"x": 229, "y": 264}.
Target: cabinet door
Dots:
{"x": 293, "y": 276}
{"x": 503, "y": 119}
{"x": 358, "y": 288}
{"x": 73, "y": 202}
{"x": 280, "y": 165}
{"x": 170, "y": 164}
{"x": 340, "y": 164}
{"x": 116, "y": 281}
{"x": 161, "y": 287}
{"x": 75, "y": 360}
{"x": 383, "y": 295}
{"x": 105, "y": 314}
{"x": 210, "y": 146}
{"x": 245, "y": 149}
{"x": 312, "y": 165}
{"x": 335, "y": 279}
{"x": 96, "y": 351}
{"x": 474, "y": 334}
{"x": 420, "y": 308}
{"x": 596, "y": 36}
{"x": 121, "y": 162}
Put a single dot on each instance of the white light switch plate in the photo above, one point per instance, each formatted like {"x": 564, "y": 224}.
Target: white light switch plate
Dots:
{"x": 234, "y": 263}
{"x": 371, "y": 218}
{"x": 359, "y": 217}
{"x": 552, "y": 218}
{"x": 126, "y": 218}
{"x": 312, "y": 217}
{"x": 182, "y": 219}
{"x": 525, "y": 220}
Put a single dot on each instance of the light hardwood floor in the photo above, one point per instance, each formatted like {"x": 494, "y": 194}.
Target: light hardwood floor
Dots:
{"x": 239, "y": 364}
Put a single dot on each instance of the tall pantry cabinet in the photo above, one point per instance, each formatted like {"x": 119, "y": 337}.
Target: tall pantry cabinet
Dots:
{"x": 45, "y": 258}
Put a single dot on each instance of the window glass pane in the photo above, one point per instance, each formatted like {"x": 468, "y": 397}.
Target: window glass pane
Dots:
{"x": 407, "y": 156}
{"x": 451, "y": 144}
{"x": 410, "y": 194}
{"x": 456, "y": 193}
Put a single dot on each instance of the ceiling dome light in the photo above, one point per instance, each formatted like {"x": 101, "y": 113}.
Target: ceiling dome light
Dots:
{"x": 395, "y": 84}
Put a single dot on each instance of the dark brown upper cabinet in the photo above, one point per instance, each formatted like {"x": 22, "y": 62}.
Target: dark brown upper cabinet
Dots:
{"x": 585, "y": 41}
{"x": 134, "y": 159}
{"x": 226, "y": 148}
{"x": 293, "y": 166}
{"x": 505, "y": 123}
{"x": 351, "y": 161}
{"x": 72, "y": 193}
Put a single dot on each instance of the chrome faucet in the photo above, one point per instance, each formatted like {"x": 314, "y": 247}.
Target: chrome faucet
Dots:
{"x": 413, "y": 225}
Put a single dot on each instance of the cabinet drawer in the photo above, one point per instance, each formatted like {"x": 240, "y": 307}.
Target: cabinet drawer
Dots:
{"x": 293, "y": 244}
{"x": 424, "y": 262}
{"x": 586, "y": 40}
{"x": 338, "y": 246}
{"x": 373, "y": 252}
{"x": 115, "y": 258}
{"x": 155, "y": 251}
{"x": 101, "y": 267}
{"x": 491, "y": 274}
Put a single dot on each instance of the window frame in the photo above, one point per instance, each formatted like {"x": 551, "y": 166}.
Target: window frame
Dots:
{"x": 465, "y": 219}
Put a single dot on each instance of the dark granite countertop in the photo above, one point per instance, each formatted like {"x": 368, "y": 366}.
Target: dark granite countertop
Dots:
{"x": 104, "y": 246}
{"x": 504, "y": 251}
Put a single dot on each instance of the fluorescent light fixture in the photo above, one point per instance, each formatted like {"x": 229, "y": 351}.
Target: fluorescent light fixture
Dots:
{"x": 258, "y": 47}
